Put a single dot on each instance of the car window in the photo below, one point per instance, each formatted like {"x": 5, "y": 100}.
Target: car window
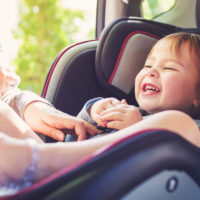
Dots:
{"x": 87, "y": 22}
{"x": 153, "y": 8}
{"x": 37, "y": 31}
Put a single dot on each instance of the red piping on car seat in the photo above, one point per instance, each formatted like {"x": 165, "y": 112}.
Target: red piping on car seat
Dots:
{"x": 55, "y": 63}
{"x": 76, "y": 165}
{"x": 122, "y": 49}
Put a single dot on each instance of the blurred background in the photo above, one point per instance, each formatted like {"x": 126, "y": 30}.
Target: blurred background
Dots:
{"x": 33, "y": 32}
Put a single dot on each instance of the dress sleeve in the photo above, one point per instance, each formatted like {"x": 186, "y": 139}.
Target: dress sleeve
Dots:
{"x": 83, "y": 114}
{"x": 18, "y": 99}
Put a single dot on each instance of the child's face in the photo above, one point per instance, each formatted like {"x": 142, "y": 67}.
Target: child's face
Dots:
{"x": 167, "y": 81}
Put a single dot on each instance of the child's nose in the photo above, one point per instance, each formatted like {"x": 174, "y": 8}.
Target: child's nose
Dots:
{"x": 153, "y": 73}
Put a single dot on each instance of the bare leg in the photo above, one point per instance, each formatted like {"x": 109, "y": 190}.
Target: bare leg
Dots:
{"x": 174, "y": 121}
{"x": 171, "y": 120}
{"x": 56, "y": 156}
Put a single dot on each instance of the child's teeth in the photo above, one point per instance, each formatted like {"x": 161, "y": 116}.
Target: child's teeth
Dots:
{"x": 151, "y": 88}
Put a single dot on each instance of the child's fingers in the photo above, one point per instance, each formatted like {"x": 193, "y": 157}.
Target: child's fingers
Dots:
{"x": 102, "y": 105}
{"x": 114, "y": 125}
{"x": 120, "y": 109}
{"x": 80, "y": 131}
{"x": 96, "y": 117}
{"x": 112, "y": 116}
{"x": 91, "y": 129}
{"x": 124, "y": 101}
{"x": 12, "y": 78}
{"x": 9, "y": 76}
{"x": 53, "y": 132}
{"x": 114, "y": 101}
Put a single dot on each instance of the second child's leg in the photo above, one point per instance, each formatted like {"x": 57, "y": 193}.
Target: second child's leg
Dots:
{"x": 175, "y": 121}
{"x": 171, "y": 120}
{"x": 64, "y": 154}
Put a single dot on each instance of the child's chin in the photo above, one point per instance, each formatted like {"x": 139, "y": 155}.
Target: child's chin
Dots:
{"x": 149, "y": 109}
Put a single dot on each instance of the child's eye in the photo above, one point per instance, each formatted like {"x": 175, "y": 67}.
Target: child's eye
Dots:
{"x": 147, "y": 66}
{"x": 170, "y": 68}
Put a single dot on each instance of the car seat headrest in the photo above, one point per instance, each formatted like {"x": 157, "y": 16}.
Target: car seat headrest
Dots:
{"x": 130, "y": 59}
{"x": 122, "y": 50}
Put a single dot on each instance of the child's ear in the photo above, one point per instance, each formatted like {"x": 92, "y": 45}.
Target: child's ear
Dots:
{"x": 196, "y": 111}
{"x": 196, "y": 102}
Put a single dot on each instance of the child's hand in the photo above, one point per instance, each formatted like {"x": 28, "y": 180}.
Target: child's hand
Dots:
{"x": 8, "y": 78}
{"x": 47, "y": 120}
{"x": 98, "y": 107}
{"x": 120, "y": 116}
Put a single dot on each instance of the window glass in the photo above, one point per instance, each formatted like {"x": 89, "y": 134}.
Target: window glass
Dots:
{"x": 87, "y": 22}
{"x": 152, "y": 8}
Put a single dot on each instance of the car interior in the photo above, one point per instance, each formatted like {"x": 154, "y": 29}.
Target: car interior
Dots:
{"x": 151, "y": 164}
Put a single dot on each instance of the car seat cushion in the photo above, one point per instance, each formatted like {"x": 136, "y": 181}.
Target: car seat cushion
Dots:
{"x": 131, "y": 59}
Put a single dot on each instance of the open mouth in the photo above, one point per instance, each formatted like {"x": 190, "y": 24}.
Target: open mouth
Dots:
{"x": 150, "y": 89}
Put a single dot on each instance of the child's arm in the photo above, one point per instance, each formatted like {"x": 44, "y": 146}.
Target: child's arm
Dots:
{"x": 65, "y": 154}
{"x": 13, "y": 125}
{"x": 42, "y": 117}
{"x": 46, "y": 119}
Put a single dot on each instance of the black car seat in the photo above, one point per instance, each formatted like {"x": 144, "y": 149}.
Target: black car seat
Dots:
{"x": 104, "y": 67}
{"x": 151, "y": 164}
